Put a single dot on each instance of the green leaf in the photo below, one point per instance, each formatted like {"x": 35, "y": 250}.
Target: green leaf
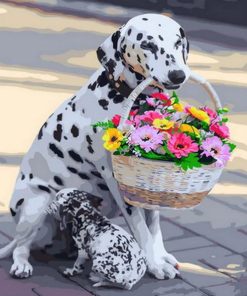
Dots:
{"x": 189, "y": 162}
{"x": 232, "y": 146}
{"x": 176, "y": 98}
{"x": 168, "y": 152}
{"x": 222, "y": 110}
{"x": 224, "y": 119}
{"x": 143, "y": 108}
{"x": 104, "y": 124}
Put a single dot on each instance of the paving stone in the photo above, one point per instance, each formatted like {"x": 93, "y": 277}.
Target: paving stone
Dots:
{"x": 7, "y": 225}
{"x": 3, "y": 239}
{"x": 233, "y": 265}
{"x": 51, "y": 291}
{"x": 171, "y": 231}
{"x": 228, "y": 289}
{"x": 191, "y": 242}
{"x": 196, "y": 270}
{"x": 13, "y": 287}
{"x": 147, "y": 286}
{"x": 46, "y": 281}
{"x": 215, "y": 221}
{"x": 238, "y": 203}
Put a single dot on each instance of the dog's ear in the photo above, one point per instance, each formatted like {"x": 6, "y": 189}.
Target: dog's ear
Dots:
{"x": 110, "y": 55}
{"x": 186, "y": 45}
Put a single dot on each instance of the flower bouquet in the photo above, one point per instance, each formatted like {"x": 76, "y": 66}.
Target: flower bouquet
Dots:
{"x": 167, "y": 153}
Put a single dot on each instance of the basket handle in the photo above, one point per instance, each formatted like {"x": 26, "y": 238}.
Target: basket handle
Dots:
{"x": 208, "y": 87}
{"x": 135, "y": 93}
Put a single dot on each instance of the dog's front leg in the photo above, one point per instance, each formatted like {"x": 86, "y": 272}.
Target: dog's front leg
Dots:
{"x": 153, "y": 223}
{"x": 157, "y": 266}
{"x": 79, "y": 263}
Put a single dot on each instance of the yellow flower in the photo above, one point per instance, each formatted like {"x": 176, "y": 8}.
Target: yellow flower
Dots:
{"x": 178, "y": 107}
{"x": 199, "y": 114}
{"x": 163, "y": 124}
{"x": 189, "y": 128}
{"x": 112, "y": 138}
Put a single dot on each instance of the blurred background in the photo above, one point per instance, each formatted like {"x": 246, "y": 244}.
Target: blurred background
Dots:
{"x": 47, "y": 52}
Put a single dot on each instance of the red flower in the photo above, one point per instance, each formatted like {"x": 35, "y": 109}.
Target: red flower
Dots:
{"x": 133, "y": 112}
{"x": 220, "y": 130}
{"x": 163, "y": 97}
{"x": 116, "y": 119}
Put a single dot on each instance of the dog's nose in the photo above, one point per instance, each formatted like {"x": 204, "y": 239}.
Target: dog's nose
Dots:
{"x": 176, "y": 76}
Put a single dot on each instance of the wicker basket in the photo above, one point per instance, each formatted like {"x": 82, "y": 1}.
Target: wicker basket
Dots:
{"x": 154, "y": 184}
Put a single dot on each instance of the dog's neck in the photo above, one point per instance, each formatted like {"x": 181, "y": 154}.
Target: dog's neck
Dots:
{"x": 89, "y": 221}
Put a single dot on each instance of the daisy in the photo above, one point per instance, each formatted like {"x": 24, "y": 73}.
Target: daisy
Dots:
{"x": 112, "y": 138}
{"x": 146, "y": 137}
{"x": 181, "y": 145}
{"x": 215, "y": 148}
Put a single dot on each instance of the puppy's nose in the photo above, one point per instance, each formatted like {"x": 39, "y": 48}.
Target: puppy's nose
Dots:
{"x": 176, "y": 76}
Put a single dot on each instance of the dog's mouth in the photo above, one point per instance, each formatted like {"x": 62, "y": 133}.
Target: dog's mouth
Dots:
{"x": 165, "y": 85}
{"x": 170, "y": 86}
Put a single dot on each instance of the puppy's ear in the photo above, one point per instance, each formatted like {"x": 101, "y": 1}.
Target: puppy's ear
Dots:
{"x": 110, "y": 54}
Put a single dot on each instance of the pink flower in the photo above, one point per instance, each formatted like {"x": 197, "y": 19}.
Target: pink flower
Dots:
{"x": 146, "y": 137}
{"x": 211, "y": 113}
{"x": 137, "y": 120}
{"x": 150, "y": 116}
{"x": 151, "y": 102}
{"x": 215, "y": 148}
{"x": 116, "y": 119}
{"x": 220, "y": 130}
{"x": 181, "y": 145}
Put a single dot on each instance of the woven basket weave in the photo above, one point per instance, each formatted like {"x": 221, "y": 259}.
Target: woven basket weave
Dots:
{"x": 153, "y": 184}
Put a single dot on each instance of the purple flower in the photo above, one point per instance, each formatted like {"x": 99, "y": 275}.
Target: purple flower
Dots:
{"x": 146, "y": 137}
{"x": 215, "y": 148}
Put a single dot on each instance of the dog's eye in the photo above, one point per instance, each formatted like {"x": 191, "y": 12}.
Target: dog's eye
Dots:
{"x": 149, "y": 46}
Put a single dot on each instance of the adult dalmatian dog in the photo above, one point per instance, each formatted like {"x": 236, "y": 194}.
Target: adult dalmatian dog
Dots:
{"x": 68, "y": 153}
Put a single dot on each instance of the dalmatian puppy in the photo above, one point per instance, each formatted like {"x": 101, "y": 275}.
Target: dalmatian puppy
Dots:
{"x": 117, "y": 260}
{"x": 68, "y": 153}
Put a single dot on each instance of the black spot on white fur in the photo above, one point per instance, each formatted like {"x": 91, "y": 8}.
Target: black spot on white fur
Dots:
{"x": 96, "y": 173}
{"x": 103, "y": 187}
{"x": 44, "y": 188}
{"x": 58, "y": 180}
{"x": 13, "y": 213}
{"x": 60, "y": 117}
{"x": 57, "y": 134}
{"x": 72, "y": 170}
{"x": 103, "y": 103}
{"x": 75, "y": 156}
{"x": 74, "y": 131}
{"x": 56, "y": 150}
{"x": 83, "y": 176}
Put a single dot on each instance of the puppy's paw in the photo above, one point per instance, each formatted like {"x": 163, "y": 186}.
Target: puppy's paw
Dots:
{"x": 72, "y": 271}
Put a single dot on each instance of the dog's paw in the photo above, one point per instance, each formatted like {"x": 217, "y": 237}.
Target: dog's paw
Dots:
{"x": 72, "y": 271}
{"x": 21, "y": 269}
{"x": 165, "y": 267}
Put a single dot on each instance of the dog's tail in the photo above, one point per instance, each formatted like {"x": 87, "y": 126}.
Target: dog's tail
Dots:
{"x": 7, "y": 250}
